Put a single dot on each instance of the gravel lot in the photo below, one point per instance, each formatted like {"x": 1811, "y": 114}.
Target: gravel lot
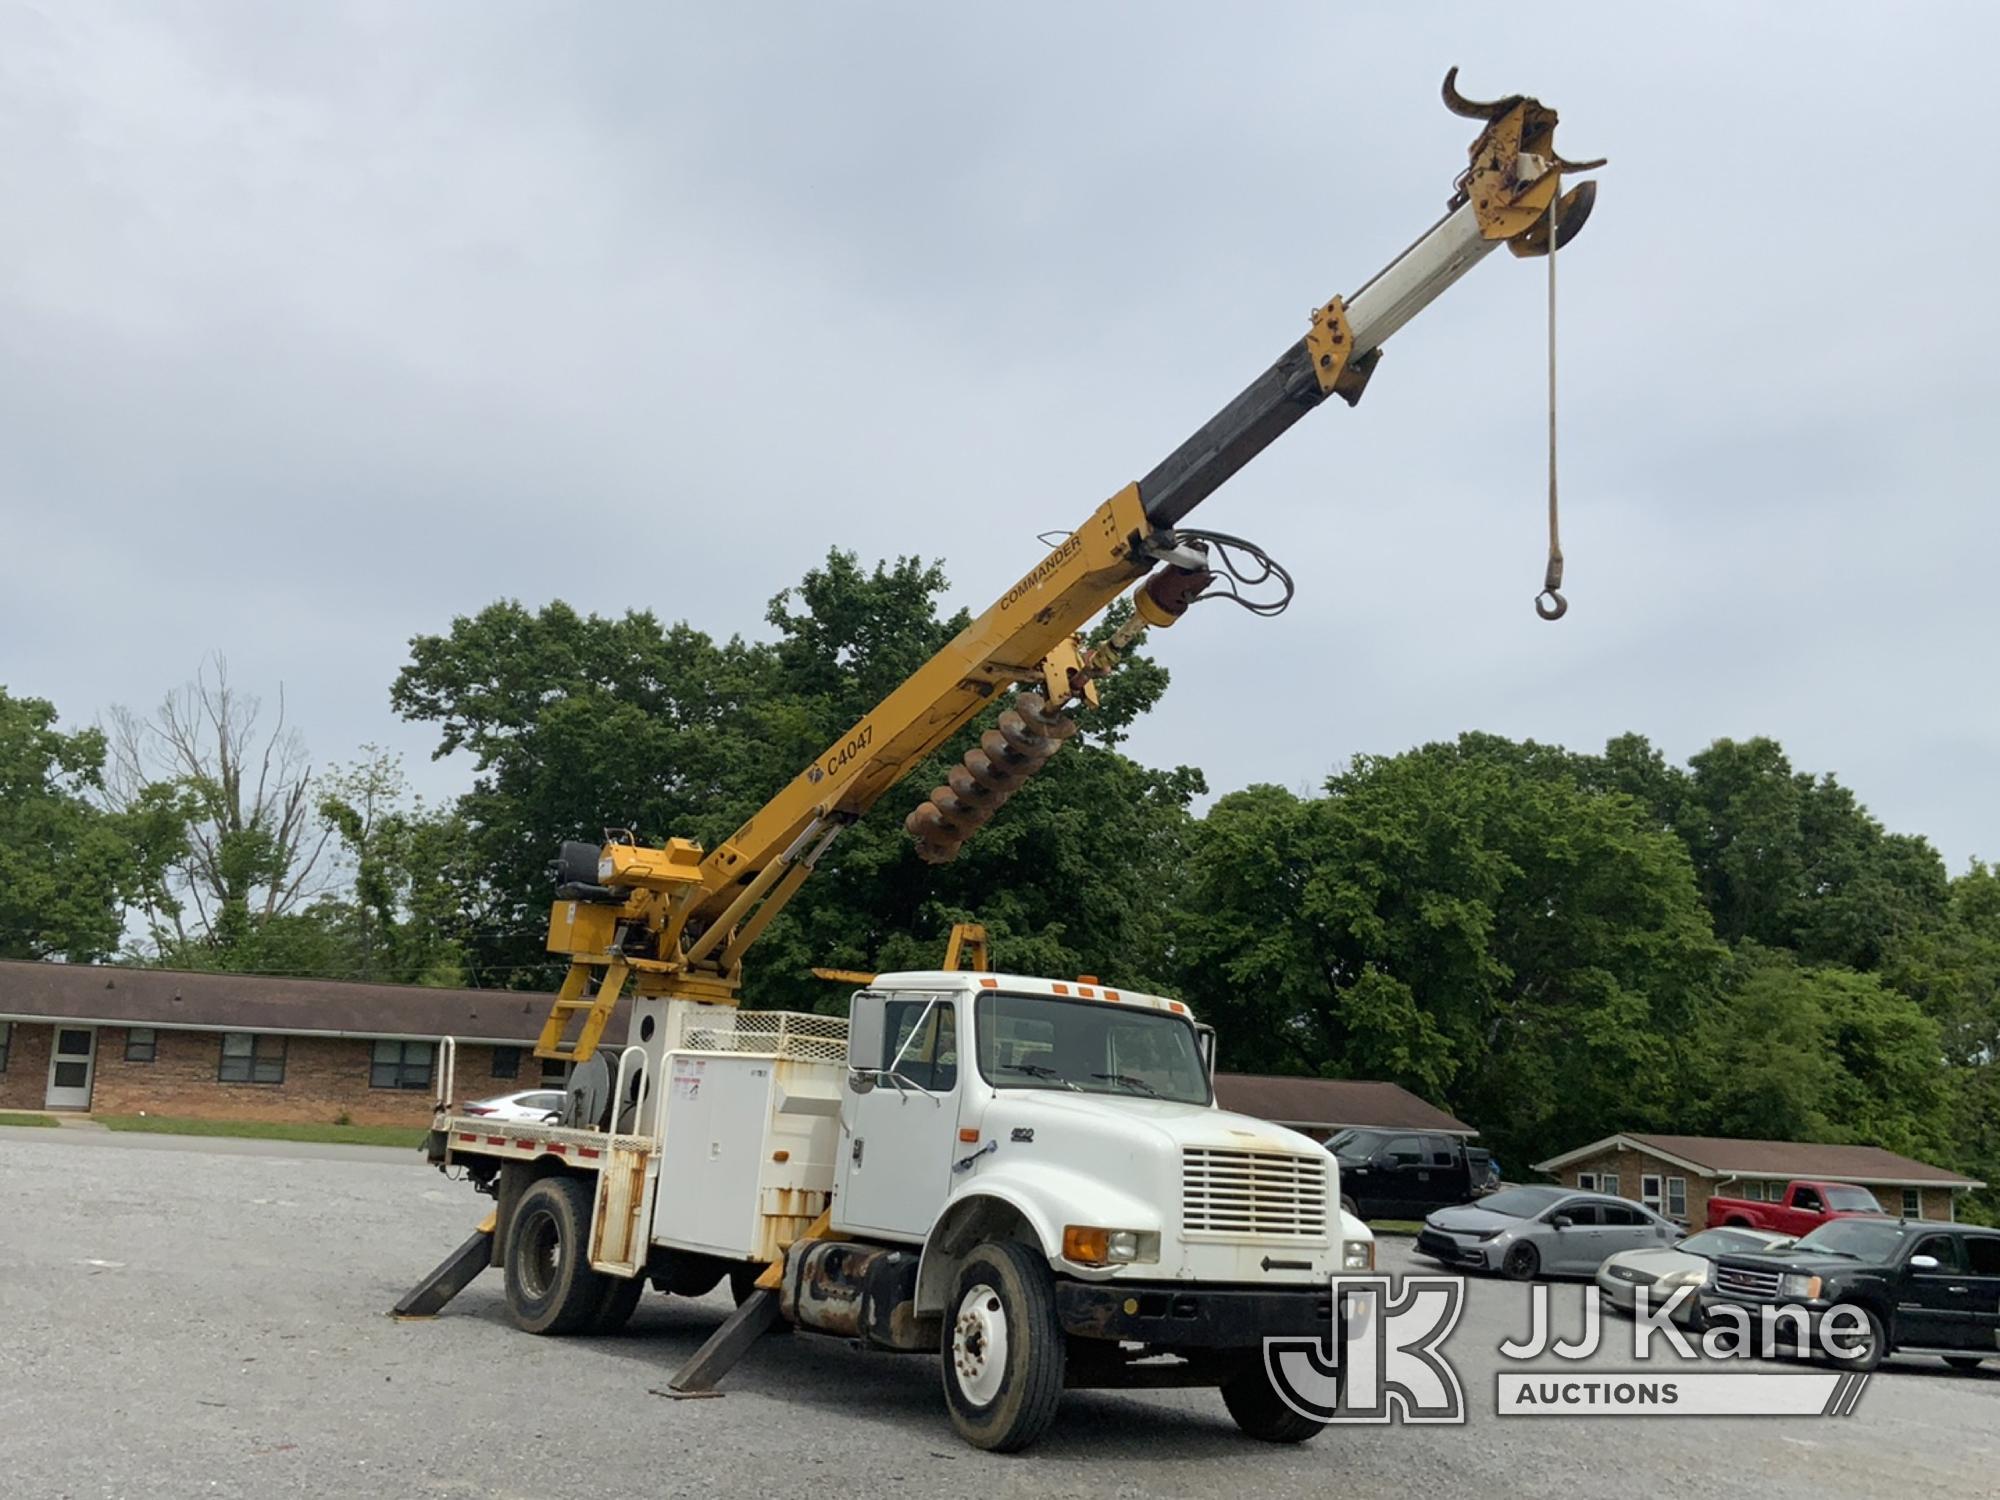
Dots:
{"x": 193, "y": 1317}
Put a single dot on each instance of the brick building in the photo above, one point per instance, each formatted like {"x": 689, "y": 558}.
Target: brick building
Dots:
{"x": 1678, "y": 1174}
{"x": 240, "y": 1046}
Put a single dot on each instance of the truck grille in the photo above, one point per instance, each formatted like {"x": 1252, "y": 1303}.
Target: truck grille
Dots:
{"x": 1260, "y": 1194}
{"x": 1747, "y": 1283}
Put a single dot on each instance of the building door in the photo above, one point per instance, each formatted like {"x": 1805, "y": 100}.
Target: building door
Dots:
{"x": 70, "y": 1061}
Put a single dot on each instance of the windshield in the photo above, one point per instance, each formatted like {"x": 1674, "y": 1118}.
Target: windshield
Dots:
{"x": 1040, "y": 1042}
{"x": 1352, "y": 1142}
{"x": 1853, "y": 1200}
{"x": 1862, "y": 1239}
{"x": 1522, "y": 1202}
{"x": 1711, "y": 1242}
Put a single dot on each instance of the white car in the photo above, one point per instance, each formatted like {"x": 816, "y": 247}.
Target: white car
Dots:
{"x": 536, "y": 1106}
{"x": 1664, "y": 1269}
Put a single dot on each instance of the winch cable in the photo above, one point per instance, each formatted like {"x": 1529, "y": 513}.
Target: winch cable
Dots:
{"x": 1549, "y": 603}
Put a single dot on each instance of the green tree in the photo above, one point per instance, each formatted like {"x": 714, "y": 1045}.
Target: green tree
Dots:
{"x": 65, "y": 864}
{"x": 404, "y": 920}
{"x": 1465, "y": 919}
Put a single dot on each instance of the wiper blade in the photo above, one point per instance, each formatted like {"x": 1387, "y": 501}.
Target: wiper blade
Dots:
{"x": 1037, "y": 1070}
{"x": 1126, "y": 1080}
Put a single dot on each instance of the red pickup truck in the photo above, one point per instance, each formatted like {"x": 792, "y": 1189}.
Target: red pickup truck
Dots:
{"x": 1804, "y": 1206}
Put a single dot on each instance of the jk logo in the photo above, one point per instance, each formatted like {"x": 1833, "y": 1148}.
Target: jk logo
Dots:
{"x": 1382, "y": 1360}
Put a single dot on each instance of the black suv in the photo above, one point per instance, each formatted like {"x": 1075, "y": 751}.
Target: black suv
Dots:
{"x": 1920, "y": 1287}
{"x": 1404, "y": 1174}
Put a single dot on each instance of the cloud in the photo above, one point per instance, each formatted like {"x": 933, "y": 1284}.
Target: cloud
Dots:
{"x": 325, "y": 325}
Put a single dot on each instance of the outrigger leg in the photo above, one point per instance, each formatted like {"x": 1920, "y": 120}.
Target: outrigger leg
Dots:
{"x": 757, "y": 1316}
{"x": 453, "y": 1276}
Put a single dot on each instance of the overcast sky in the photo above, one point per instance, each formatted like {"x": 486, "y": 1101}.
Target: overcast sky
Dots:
{"x": 322, "y": 324}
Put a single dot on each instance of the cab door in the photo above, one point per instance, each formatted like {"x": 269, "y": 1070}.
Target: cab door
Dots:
{"x": 899, "y": 1113}
{"x": 1934, "y": 1303}
{"x": 1982, "y": 1275}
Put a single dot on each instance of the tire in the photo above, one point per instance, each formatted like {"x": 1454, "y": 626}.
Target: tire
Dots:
{"x": 1261, "y": 1412}
{"x": 1963, "y": 1361}
{"x": 1348, "y": 1205}
{"x": 1002, "y": 1352}
{"x": 550, "y": 1286}
{"x": 615, "y": 1308}
{"x": 1876, "y": 1344}
{"x": 1522, "y": 1262}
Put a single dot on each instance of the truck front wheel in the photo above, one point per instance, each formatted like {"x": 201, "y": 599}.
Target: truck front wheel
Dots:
{"x": 550, "y": 1286}
{"x": 1261, "y": 1412}
{"x": 1003, "y": 1349}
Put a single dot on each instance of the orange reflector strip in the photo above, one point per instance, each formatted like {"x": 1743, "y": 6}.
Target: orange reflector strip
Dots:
{"x": 1088, "y": 979}
{"x": 1112, "y": 995}
{"x": 1060, "y": 989}
{"x": 989, "y": 984}
{"x": 1086, "y": 991}
{"x": 968, "y": 1136}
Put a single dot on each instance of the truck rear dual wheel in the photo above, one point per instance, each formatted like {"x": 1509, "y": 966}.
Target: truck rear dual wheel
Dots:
{"x": 1003, "y": 1349}
{"x": 550, "y": 1286}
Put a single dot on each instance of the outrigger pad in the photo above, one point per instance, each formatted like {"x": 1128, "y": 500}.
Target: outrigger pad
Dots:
{"x": 756, "y": 1316}
{"x": 458, "y": 1272}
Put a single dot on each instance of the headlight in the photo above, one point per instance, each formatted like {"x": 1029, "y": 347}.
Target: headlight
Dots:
{"x": 1090, "y": 1245}
{"x": 1358, "y": 1255}
{"x": 1806, "y": 1287}
{"x": 1483, "y": 1235}
{"x": 1683, "y": 1278}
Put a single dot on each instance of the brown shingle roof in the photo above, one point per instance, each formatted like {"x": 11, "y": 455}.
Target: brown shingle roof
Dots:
{"x": 1721, "y": 1156}
{"x": 253, "y": 1002}
{"x": 1332, "y": 1102}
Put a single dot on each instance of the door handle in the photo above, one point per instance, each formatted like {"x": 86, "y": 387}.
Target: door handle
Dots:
{"x": 1961, "y": 1290}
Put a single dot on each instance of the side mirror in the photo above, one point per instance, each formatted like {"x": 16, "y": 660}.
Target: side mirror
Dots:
{"x": 1562, "y": 1221}
{"x": 864, "y": 1030}
{"x": 1924, "y": 1263}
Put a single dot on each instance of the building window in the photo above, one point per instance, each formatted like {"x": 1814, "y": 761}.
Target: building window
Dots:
{"x": 1650, "y": 1193}
{"x": 555, "y": 1073}
{"x": 1913, "y": 1204}
{"x": 1677, "y": 1198}
{"x": 142, "y": 1044}
{"x": 401, "y": 1065}
{"x": 1753, "y": 1192}
{"x": 6, "y": 1041}
{"x": 506, "y": 1062}
{"x": 1607, "y": 1182}
{"x": 1587, "y": 1181}
{"x": 249, "y": 1057}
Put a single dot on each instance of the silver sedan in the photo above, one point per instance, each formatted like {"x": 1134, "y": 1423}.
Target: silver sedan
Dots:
{"x": 1525, "y": 1232}
{"x": 1664, "y": 1269}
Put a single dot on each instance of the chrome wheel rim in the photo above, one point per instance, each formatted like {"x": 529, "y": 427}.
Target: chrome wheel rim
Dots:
{"x": 979, "y": 1344}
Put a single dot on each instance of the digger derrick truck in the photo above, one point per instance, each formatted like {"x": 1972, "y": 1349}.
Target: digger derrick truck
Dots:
{"x": 1027, "y": 1177}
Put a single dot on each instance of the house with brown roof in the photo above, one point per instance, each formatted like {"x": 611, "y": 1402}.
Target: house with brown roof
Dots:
{"x": 1678, "y": 1174}
{"x": 1320, "y": 1106}
{"x": 251, "y": 1047}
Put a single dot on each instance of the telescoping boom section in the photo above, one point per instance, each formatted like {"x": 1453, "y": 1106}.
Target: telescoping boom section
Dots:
{"x": 674, "y": 920}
